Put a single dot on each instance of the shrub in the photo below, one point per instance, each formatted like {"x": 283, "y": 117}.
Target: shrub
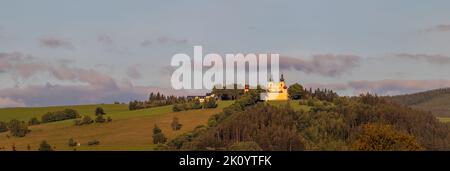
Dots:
{"x": 196, "y": 104}
{"x": 176, "y": 124}
{"x": 3, "y": 127}
{"x": 310, "y": 102}
{"x": 59, "y": 115}
{"x": 161, "y": 147}
{"x": 158, "y": 136}
{"x": 78, "y": 122}
{"x": 178, "y": 107}
{"x": 34, "y": 121}
{"x": 45, "y": 146}
{"x": 99, "y": 111}
{"x": 18, "y": 128}
{"x": 109, "y": 119}
{"x": 296, "y": 91}
{"x": 211, "y": 103}
{"x": 72, "y": 143}
{"x": 93, "y": 142}
{"x": 100, "y": 119}
{"x": 84, "y": 121}
{"x": 245, "y": 146}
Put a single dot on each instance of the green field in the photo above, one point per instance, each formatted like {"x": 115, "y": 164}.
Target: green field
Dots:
{"x": 24, "y": 114}
{"x": 130, "y": 130}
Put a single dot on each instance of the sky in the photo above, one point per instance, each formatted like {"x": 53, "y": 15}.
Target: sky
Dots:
{"x": 63, "y": 52}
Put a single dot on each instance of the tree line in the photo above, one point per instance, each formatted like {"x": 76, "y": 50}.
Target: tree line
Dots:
{"x": 155, "y": 100}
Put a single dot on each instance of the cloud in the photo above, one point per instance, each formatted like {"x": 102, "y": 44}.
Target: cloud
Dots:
{"x": 54, "y": 43}
{"x": 146, "y": 43}
{"x": 432, "y": 59}
{"x": 50, "y": 95}
{"x": 110, "y": 45}
{"x": 19, "y": 65}
{"x": 329, "y": 65}
{"x": 439, "y": 28}
{"x": 7, "y": 102}
{"x": 133, "y": 72}
{"x": 90, "y": 76}
{"x": 95, "y": 87}
{"x": 170, "y": 40}
{"x": 394, "y": 87}
{"x": 105, "y": 39}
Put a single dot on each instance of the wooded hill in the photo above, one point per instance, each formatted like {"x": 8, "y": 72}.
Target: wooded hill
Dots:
{"x": 366, "y": 122}
{"x": 435, "y": 101}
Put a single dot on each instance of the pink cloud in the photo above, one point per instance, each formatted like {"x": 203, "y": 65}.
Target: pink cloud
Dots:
{"x": 439, "y": 28}
{"x": 7, "y": 102}
{"x": 20, "y": 65}
{"x": 146, "y": 43}
{"x": 54, "y": 43}
{"x": 167, "y": 40}
{"x": 394, "y": 87}
{"x": 432, "y": 59}
{"x": 105, "y": 39}
{"x": 132, "y": 72}
{"x": 98, "y": 88}
{"x": 329, "y": 65}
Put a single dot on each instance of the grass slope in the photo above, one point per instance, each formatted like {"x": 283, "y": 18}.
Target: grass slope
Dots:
{"x": 130, "y": 130}
{"x": 25, "y": 113}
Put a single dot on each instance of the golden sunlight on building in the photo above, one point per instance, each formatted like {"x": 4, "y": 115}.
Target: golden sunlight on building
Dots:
{"x": 275, "y": 91}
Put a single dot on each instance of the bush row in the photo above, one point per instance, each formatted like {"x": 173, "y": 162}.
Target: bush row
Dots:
{"x": 195, "y": 104}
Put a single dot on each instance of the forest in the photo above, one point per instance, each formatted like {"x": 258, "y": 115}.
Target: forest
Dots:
{"x": 366, "y": 122}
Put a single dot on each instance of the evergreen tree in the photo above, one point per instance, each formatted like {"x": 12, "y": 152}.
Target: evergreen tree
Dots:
{"x": 3, "y": 127}
{"x": 44, "y": 146}
{"x": 176, "y": 124}
{"x": 18, "y": 128}
{"x": 99, "y": 111}
{"x": 295, "y": 91}
{"x": 158, "y": 136}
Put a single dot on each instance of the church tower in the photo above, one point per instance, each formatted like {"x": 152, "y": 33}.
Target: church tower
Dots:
{"x": 282, "y": 85}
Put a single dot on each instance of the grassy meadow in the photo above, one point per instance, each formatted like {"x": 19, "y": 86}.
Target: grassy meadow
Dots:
{"x": 25, "y": 113}
{"x": 129, "y": 130}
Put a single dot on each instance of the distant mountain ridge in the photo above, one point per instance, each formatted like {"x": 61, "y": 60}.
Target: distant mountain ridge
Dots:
{"x": 436, "y": 101}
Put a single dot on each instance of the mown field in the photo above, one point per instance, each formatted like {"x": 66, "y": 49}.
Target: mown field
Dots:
{"x": 129, "y": 130}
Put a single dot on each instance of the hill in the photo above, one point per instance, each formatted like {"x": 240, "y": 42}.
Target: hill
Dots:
{"x": 435, "y": 101}
{"x": 130, "y": 130}
{"x": 329, "y": 122}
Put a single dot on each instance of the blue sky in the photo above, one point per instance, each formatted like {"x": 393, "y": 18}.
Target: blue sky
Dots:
{"x": 55, "y": 52}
